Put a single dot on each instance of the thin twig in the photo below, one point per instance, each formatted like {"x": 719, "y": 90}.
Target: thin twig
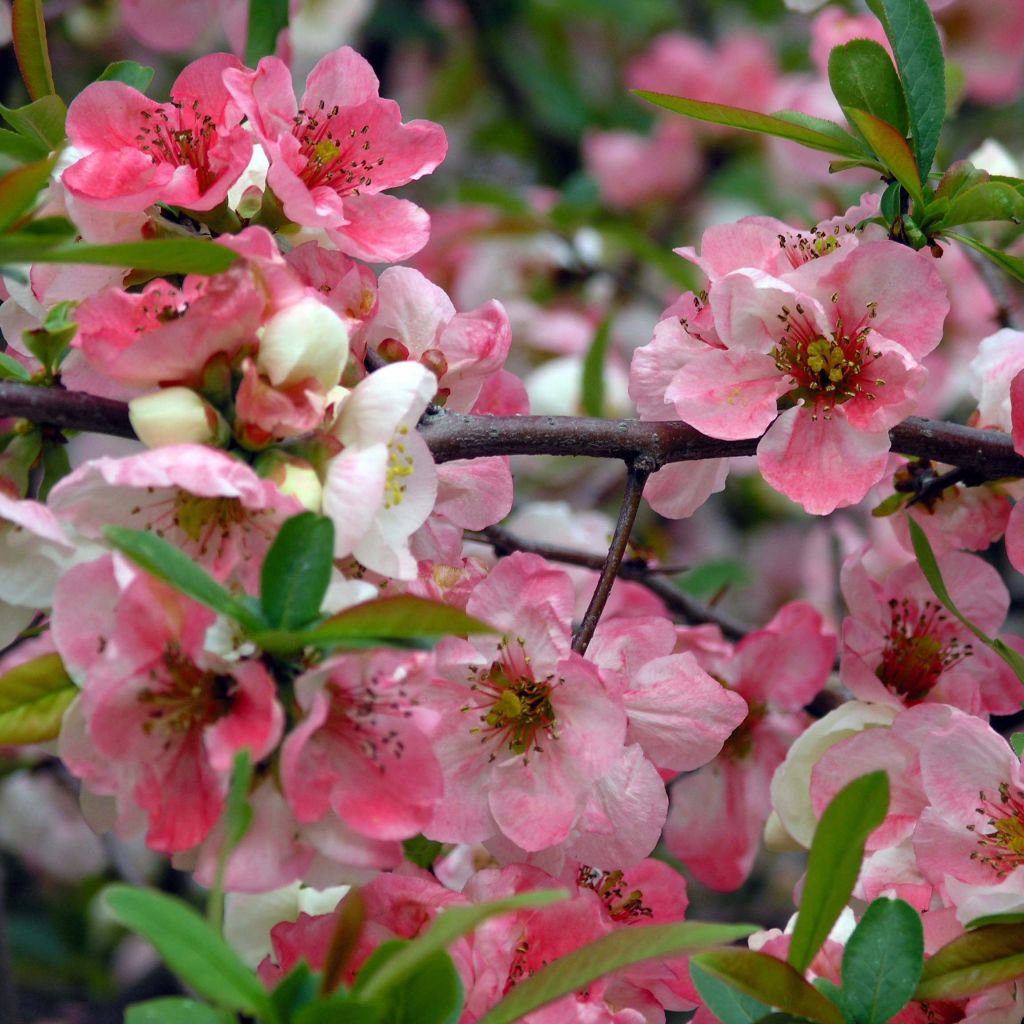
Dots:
{"x": 635, "y": 480}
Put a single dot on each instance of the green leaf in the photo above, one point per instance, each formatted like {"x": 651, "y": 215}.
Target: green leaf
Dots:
{"x": 1016, "y": 917}
{"x": 890, "y": 202}
{"x": 29, "y": 32}
{"x": 930, "y": 567}
{"x": 40, "y": 123}
{"x": 834, "y": 131}
{"x": 341, "y": 1008}
{"x": 138, "y": 76}
{"x": 158, "y": 256}
{"x": 237, "y": 817}
{"x": 984, "y": 201}
{"x": 18, "y": 148}
{"x": 433, "y": 995}
{"x": 882, "y": 962}
{"x": 910, "y": 28}
{"x": 1013, "y": 265}
{"x": 173, "y": 1010}
{"x": 450, "y": 924}
{"x": 56, "y": 466}
{"x": 192, "y": 950}
{"x": 728, "y": 1004}
{"x": 1017, "y": 742}
{"x": 891, "y": 505}
{"x": 576, "y": 970}
{"x": 973, "y": 962}
{"x": 170, "y": 564}
{"x": 709, "y": 578}
{"x": 396, "y": 617}
{"x": 834, "y": 862}
{"x": 266, "y": 19}
{"x": 12, "y": 369}
{"x": 862, "y": 76}
{"x": 19, "y": 190}
{"x": 422, "y": 852}
{"x": 297, "y": 570}
{"x": 891, "y": 148}
{"x": 748, "y": 120}
{"x": 298, "y": 988}
{"x": 593, "y": 369}
{"x": 33, "y": 698}
{"x": 772, "y": 981}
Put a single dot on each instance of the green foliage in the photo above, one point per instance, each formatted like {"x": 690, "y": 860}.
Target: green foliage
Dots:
{"x": 19, "y": 190}
{"x": 174, "y": 1010}
{"x": 39, "y": 125}
{"x": 192, "y": 949}
{"x": 422, "y": 852}
{"x": 834, "y": 862}
{"x": 862, "y": 76}
{"x": 727, "y": 1003}
{"x": 770, "y": 980}
{"x": 593, "y": 369}
{"x": 785, "y": 125}
{"x": 297, "y": 570}
{"x": 138, "y": 76}
{"x": 237, "y": 818}
{"x": 891, "y": 148}
{"x": 882, "y": 962}
{"x": 29, "y": 31}
{"x": 170, "y": 564}
{"x": 33, "y": 698}
{"x": 56, "y": 466}
{"x": 158, "y": 256}
{"x": 266, "y": 20}
{"x": 1013, "y": 265}
{"x": 910, "y": 28}
{"x": 973, "y": 962}
{"x": 450, "y": 924}
{"x": 430, "y": 995}
{"x": 576, "y": 970}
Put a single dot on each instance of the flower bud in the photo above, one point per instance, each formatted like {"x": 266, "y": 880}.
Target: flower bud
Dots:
{"x": 307, "y": 339}
{"x": 176, "y": 416}
{"x": 294, "y": 477}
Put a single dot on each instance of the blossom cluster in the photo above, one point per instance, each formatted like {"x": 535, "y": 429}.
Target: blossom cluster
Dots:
{"x": 294, "y": 381}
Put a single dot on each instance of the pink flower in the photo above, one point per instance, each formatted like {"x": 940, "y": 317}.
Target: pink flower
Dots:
{"x": 210, "y": 505}
{"x": 901, "y": 647}
{"x": 137, "y": 152}
{"x": 716, "y": 814}
{"x": 838, "y": 337}
{"x": 527, "y": 726}
{"x": 362, "y": 750}
{"x": 159, "y": 719}
{"x": 333, "y": 154}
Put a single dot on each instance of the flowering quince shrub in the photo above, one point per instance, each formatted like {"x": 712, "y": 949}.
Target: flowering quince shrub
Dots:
{"x": 274, "y": 612}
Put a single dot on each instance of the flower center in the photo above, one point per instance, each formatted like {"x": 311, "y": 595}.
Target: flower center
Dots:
{"x": 184, "y": 696}
{"x": 400, "y": 466}
{"x": 916, "y": 652}
{"x": 181, "y": 136}
{"x": 1002, "y": 845}
{"x": 611, "y": 887}
{"x": 825, "y": 371}
{"x": 515, "y": 708}
{"x": 194, "y": 514}
{"x": 335, "y": 156}
{"x": 741, "y": 741}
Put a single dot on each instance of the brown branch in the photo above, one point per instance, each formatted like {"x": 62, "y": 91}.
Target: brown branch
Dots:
{"x": 988, "y": 454}
{"x": 682, "y": 605}
{"x": 637, "y": 477}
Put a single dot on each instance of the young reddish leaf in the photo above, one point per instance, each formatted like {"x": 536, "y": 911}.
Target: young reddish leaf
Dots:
{"x": 834, "y": 862}
{"x": 974, "y": 962}
{"x": 29, "y": 32}
{"x": 749, "y": 120}
{"x": 33, "y": 698}
{"x": 772, "y": 981}
{"x": 891, "y": 148}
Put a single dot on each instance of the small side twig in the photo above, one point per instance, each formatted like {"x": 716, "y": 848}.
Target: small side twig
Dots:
{"x": 635, "y": 480}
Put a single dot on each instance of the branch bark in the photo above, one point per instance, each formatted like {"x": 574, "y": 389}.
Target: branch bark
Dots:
{"x": 988, "y": 454}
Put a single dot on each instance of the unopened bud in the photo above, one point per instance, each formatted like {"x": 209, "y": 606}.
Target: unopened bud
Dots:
{"x": 307, "y": 339}
{"x": 294, "y": 477}
{"x": 391, "y": 350}
{"x": 433, "y": 359}
{"x": 176, "y": 416}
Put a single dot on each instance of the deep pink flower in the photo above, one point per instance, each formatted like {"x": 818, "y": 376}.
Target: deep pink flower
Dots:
{"x": 187, "y": 152}
{"x": 333, "y": 154}
{"x": 159, "y": 719}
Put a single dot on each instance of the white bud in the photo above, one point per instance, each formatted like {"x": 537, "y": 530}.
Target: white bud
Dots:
{"x": 176, "y": 416}
{"x": 308, "y": 339}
